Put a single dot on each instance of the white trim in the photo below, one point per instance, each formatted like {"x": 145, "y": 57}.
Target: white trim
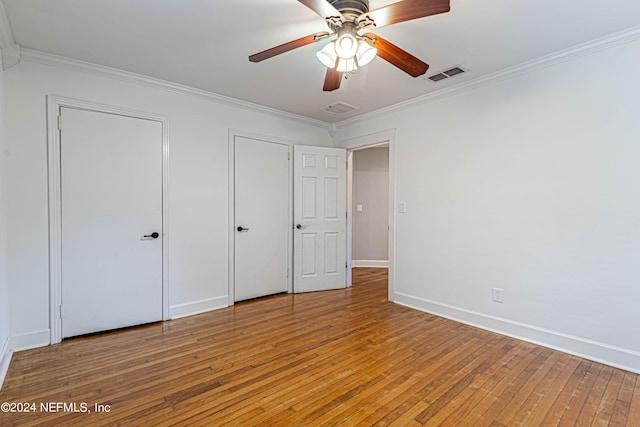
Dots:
{"x": 232, "y": 212}
{"x": 606, "y": 42}
{"x": 231, "y": 205}
{"x": 198, "y": 307}
{"x": 387, "y": 137}
{"x": 376, "y": 139}
{"x": 10, "y": 56}
{"x": 384, "y": 143}
{"x": 30, "y": 340}
{"x": 5, "y": 360}
{"x": 54, "y": 103}
{"x": 349, "y": 231}
{"x": 588, "y": 48}
{"x": 370, "y": 263}
{"x": 6, "y": 36}
{"x": 36, "y": 57}
{"x": 588, "y": 349}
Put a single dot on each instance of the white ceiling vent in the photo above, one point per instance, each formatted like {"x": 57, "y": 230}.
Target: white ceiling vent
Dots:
{"x": 340, "y": 108}
{"x": 454, "y": 71}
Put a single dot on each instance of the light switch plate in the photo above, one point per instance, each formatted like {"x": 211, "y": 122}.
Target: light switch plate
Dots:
{"x": 402, "y": 207}
{"x": 359, "y": 208}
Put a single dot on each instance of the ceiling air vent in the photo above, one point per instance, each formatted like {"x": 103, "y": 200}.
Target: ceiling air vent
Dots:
{"x": 446, "y": 74}
{"x": 453, "y": 72}
{"x": 438, "y": 77}
{"x": 340, "y": 108}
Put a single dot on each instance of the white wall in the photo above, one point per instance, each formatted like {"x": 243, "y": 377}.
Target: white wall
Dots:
{"x": 371, "y": 191}
{"x": 532, "y": 185}
{"x": 198, "y": 184}
{"x": 4, "y": 284}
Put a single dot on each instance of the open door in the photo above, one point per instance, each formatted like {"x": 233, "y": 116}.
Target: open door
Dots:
{"x": 319, "y": 247}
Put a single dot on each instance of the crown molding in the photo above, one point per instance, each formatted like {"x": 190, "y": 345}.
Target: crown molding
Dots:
{"x": 588, "y": 48}
{"x": 10, "y": 56}
{"x": 6, "y": 36}
{"x": 37, "y": 57}
{"x": 597, "y": 45}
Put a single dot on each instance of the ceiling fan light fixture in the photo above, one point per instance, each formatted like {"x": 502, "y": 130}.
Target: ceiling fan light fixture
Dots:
{"x": 346, "y": 65}
{"x": 365, "y": 53}
{"x": 328, "y": 55}
{"x": 348, "y": 21}
{"x": 346, "y": 46}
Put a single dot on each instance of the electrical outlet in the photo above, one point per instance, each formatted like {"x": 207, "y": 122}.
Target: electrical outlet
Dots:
{"x": 497, "y": 295}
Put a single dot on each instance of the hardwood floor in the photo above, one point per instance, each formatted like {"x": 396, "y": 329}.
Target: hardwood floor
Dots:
{"x": 345, "y": 357}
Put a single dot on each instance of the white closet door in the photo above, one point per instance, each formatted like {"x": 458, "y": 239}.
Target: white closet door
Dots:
{"x": 111, "y": 183}
{"x": 261, "y": 218}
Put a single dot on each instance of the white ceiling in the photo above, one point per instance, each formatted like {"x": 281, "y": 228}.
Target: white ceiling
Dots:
{"x": 205, "y": 43}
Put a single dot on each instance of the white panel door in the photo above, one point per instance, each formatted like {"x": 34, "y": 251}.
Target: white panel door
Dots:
{"x": 261, "y": 218}
{"x": 111, "y": 184}
{"x": 320, "y": 218}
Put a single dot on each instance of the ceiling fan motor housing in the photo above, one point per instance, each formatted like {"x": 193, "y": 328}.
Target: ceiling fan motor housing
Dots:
{"x": 351, "y": 9}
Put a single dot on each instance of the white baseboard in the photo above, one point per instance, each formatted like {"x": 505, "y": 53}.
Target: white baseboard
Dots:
{"x": 197, "y": 307}
{"x": 371, "y": 263}
{"x": 5, "y": 360}
{"x": 30, "y": 340}
{"x": 617, "y": 357}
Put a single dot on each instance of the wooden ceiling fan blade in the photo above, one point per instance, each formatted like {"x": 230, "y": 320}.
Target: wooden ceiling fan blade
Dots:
{"x": 398, "y": 57}
{"x": 406, "y": 11}
{"x": 322, "y": 8}
{"x": 286, "y": 47}
{"x": 332, "y": 80}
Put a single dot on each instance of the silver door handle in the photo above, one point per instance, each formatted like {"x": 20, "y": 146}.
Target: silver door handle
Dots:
{"x": 242, "y": 229}
{"x": 301, "y": 227}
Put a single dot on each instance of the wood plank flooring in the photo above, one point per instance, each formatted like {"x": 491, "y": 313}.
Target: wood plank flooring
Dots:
{"x": 336, "y": 358}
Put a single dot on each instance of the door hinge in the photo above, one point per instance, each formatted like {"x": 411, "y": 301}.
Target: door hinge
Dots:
{"x": 288, "y": 156}
{"x": 61, "y": 311}
{"x": 287, "y": 273}
{"x": 59, "y": 122}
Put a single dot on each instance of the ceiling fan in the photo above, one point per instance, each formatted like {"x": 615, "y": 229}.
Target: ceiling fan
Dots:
{"x": 353, "y": 47}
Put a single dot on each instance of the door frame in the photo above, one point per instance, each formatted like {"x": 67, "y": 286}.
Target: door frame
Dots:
{"x": 232, "y": 209}
{"x": 54, "y": 104}
{"x": 378, "y": 139}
